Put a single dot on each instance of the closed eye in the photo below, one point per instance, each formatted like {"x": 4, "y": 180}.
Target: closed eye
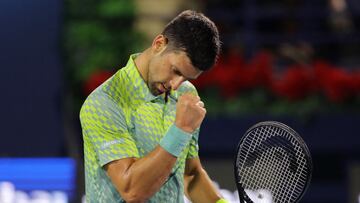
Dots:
{"x": 177, "y": 72}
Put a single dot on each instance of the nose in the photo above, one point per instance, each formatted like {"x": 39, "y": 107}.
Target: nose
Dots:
{"x": 176, "y": 82}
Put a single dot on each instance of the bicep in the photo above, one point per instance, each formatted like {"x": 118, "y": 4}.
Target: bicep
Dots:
{"x": 190, "y": 171}
{"x": 117, "y": 171}
{"x": 192, "y": 166}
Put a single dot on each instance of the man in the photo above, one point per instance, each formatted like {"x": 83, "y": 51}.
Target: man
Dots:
{"x": 141, "y": 127}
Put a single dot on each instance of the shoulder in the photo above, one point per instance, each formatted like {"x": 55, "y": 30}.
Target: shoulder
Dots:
{"x": 113, "y": 90}
{"x": 100, "y": 112}
{"x": 100, "y": 104}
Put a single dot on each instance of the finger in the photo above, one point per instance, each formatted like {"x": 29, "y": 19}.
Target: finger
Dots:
{"x": 195, "y": 98}
{"x": 200, "y": 103}
{"x": 203, "y": 110}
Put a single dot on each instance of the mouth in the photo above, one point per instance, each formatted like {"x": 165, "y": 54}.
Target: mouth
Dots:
{"x": 162, "y": 88}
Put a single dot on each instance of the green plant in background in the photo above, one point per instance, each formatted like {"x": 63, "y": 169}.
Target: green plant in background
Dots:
{"x": 97, "y": 36}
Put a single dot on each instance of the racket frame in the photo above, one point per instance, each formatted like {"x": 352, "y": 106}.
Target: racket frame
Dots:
{"x": 244, "y": 198}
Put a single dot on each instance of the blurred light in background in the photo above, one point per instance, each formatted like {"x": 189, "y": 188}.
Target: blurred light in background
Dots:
{"x": 22, "y": 179}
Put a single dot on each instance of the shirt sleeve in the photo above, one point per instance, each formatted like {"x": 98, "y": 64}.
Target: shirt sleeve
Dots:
{"x": 103, "y": 123}
{"x": 194, "y": 146}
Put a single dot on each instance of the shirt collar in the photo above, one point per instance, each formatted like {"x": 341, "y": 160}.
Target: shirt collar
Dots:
{"x": 137, "y": 83}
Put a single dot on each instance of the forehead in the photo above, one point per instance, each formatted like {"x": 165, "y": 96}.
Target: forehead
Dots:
{"x": 180, "y": 61}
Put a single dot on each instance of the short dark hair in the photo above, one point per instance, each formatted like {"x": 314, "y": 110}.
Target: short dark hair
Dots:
{"x": 195, "y": 34}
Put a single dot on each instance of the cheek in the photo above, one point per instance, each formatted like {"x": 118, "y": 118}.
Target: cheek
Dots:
{"x": 154, "y": 69}
{"x": 161, "y": 73}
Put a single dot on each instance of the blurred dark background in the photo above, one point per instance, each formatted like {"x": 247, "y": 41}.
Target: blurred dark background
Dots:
{"x": 293, "y": 61}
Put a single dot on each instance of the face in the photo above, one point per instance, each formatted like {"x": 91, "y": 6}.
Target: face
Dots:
{"x": 167, "y": 70}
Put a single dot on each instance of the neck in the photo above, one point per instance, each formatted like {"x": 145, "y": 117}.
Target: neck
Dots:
{"x": 142, "y": 64}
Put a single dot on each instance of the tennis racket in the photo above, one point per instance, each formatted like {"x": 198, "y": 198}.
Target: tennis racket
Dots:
{"x": 272, "y": 164}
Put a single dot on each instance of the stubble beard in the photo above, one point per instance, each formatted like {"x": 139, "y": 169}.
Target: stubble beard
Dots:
{"x": 153, "y": 89}
{"x": 152, "y": 86}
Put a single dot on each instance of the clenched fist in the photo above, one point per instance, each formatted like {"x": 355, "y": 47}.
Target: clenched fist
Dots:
{"x": 190, "y": 112}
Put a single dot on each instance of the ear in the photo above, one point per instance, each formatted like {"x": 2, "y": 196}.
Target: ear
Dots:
{"x": 159, "y": 44}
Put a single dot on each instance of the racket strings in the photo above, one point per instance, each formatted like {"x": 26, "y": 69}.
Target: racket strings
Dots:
{"x": 261, "y": 163}
{"x": 264, "y": 171}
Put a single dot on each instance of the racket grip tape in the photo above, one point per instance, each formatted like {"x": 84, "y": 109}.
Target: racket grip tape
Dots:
{"x": 175, "y": 140}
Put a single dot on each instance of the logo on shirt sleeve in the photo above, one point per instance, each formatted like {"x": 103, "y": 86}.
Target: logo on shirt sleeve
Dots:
{"x": 112, "y": 142}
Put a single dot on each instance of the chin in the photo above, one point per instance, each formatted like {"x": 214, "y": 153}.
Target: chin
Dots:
{"x": 155, "y": 91}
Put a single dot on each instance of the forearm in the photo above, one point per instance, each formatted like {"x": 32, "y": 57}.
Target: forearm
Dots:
{"x": 199, "y": 188}
{"x": 146, "y": 175}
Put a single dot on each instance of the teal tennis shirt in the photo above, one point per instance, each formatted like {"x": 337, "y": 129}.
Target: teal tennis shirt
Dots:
{"x": 122, "y": 119}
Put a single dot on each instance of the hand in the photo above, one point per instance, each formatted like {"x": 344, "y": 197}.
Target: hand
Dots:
{"x": 190, "y": 112}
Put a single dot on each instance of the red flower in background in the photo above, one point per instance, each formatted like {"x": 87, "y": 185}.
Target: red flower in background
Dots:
{"x": 259, "y": 71}
{"x": 295, "y": 83}
{"x": 223, "y": 75}
{"x": 231, "y": 74}
{"x": 96, "y": 79}
{"x": 337, "y": 84}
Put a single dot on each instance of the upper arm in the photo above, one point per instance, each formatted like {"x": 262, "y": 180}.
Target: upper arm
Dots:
{"x": 117, "y": 172}
{"x": 198, "y": 186}
{"x": 192, "y": 166}
{"x": 193, "y": 171}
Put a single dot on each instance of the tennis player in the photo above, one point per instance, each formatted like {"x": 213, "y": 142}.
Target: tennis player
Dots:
{"x": 141, "y": 126}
